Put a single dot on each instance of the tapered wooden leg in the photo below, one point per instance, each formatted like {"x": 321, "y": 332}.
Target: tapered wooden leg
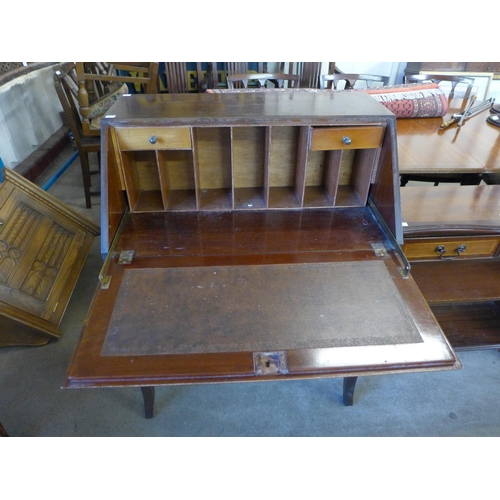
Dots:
{"x": 148, "y": 394}
{"x": 3, "y": 432}
{"x": 349, "y": 385}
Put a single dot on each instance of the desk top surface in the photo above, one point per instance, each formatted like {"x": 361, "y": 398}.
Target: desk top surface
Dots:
{"x": 245, "y": 109}
{"x": 123, "y": 344}
{"x": 452, "y": 204}
{"x": 424, "y": 148}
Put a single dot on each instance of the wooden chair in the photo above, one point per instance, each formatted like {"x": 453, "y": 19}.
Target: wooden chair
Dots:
{"x": 310, "y": 72}
{"x": 67, "y": 91}
{"x": 178, "y": 80}
{"x": 101, "y": 83}
{"x": 242, "y": 80}
{"x": 176, "y": 77}
{"x": 454, "y": 80}
{"x": 211, "y": 79}
{"x": 332, "y": 80}
{"x": 208, "y": 79}
{"x": 239, "y": 68}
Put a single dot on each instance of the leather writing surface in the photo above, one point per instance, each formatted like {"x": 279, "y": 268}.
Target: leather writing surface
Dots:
{"x": 189, "y": 310}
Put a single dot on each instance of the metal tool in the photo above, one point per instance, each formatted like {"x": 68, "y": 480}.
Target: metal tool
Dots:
{"x": 467, "y": 109}
{"x": 468, "y": 112}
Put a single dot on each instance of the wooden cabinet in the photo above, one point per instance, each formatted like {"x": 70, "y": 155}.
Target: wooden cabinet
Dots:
{"x": 43, "y": 246}
{"x": 452, "y": 237}
{"x": 252, "y": 236}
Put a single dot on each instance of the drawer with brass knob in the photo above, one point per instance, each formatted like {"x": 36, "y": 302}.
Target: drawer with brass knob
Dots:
{"x": 148, "y": 138}
{"x": 331, "y": 138}
{"x": 453, "y": 248}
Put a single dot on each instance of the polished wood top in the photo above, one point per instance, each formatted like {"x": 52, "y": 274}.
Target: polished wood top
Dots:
{"x": 452, "y": 207}
{"x": 229, "y": 234}
{"x": 423, "y": 148}
{"x": 263, "y": 108}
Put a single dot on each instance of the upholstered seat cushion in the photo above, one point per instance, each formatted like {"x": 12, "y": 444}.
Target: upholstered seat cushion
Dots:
{"x": 101, "y": 106}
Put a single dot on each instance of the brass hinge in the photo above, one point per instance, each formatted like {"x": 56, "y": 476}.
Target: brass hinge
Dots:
{"x": 379, "y": 249}
{"x": 404, "y": 270}
{"x": 104, "y": 279}
{"x": 126, "y": 257}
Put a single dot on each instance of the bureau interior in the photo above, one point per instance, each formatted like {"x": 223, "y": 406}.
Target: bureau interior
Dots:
{"x": 247, "y": 167}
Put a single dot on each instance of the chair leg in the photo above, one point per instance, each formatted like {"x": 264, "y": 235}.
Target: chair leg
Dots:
{"x": 84, "y": 162}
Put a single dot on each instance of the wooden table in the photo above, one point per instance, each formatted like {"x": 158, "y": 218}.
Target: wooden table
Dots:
{"x": 252, "y": 237}
{"x": 451, "y": 232}
{"x": 424, "y": 148}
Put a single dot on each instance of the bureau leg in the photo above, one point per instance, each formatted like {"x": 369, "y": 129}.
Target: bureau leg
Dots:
{"x": 148, "y": 394}
{"x": 349, "y": 385}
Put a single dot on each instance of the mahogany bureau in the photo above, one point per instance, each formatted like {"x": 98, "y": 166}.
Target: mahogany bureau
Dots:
{"x": 252, "y": 237}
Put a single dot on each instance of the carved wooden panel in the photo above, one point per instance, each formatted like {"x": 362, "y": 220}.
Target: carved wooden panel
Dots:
{"x": 43, "y": 245}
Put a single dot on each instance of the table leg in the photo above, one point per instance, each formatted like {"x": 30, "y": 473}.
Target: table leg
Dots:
{"x": 3, "y": 432}
{"x": 470, "y": 179}
{"x": 148, "y": 394}
{"x": 349, "y": 384}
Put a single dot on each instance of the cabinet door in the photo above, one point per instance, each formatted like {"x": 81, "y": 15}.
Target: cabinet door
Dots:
{"x": 38, "y": 252}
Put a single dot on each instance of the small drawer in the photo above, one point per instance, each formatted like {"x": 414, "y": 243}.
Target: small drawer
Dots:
{"x": 332, "y": 138}
{"x": 433, "y": 249}
{"x": 136, "y": 139}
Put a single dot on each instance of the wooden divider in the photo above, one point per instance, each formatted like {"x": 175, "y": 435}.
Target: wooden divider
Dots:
{"x": 248, "y": 167}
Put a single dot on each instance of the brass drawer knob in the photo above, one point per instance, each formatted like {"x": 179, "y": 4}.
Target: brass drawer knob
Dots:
{"x": 346, "y": 140}
{"x": 152, "y": 139}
